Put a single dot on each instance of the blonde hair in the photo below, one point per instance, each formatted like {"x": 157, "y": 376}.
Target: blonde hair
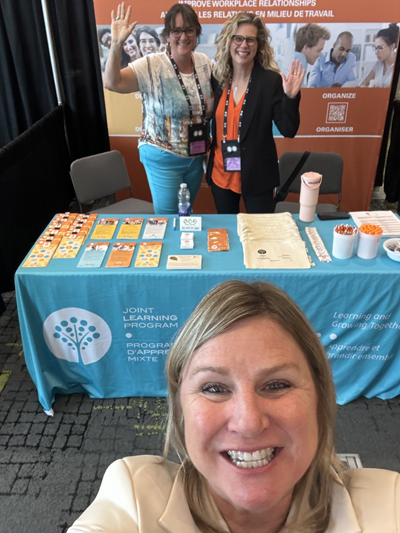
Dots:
{"x": 223, "y": 69}
{"x": 223, "y": 307}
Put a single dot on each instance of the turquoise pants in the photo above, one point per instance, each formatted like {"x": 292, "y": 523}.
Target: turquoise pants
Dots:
{"x": 165, "y": 172}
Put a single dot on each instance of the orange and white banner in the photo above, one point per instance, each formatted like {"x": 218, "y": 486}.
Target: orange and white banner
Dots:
{"x": 347, "y": 118}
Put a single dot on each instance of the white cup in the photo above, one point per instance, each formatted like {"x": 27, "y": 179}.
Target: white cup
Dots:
{"x": 343, "y": 245}
{"x": 368, "y": 245}
{"x": 309, "y": 192}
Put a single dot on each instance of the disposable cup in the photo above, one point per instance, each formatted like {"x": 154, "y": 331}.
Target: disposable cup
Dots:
{"x": 368, "y": 245}
{"x": 343, "y": 245}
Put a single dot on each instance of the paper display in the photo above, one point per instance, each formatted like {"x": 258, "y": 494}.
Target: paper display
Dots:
{"x": 148, "y": 254}
{"x": 388, "y": 221}
{"x": 40, "y": 255}
{"x": 155, "y": 228}
{"x": 105, "y": 228}
{"x": 130, "y": 228}
{"x": 93, "y": 255}
{"x": 272, "y": 241}
{"x": 69, "y": 247}
{"x": 121, "y": 254}
{"x": 217, "y": 240}
{"x": 62, "y": 239}
{"x": 184, "y": 262}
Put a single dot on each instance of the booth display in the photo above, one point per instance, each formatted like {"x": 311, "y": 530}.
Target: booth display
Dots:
{"x": 107, "y": 331}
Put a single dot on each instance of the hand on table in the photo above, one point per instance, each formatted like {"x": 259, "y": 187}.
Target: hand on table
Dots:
{"x": 292, "y": 83}
{"x": 120, "y": 26}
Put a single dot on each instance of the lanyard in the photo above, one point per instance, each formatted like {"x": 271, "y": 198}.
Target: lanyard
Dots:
{"x": 225, "y": 135}
{"x": 203, "y": 107}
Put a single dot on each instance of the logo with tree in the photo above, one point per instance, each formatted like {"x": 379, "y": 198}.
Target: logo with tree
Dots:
{"x": 77, "y": 335}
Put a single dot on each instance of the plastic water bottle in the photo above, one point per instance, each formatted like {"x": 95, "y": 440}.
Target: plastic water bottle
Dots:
{"x": 184, "y": 207}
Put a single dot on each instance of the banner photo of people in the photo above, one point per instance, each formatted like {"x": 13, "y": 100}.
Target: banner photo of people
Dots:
{"x": 347, "y": 49}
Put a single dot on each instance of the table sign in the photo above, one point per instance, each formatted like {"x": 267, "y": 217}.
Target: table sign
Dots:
{"x": 190, "y": 223}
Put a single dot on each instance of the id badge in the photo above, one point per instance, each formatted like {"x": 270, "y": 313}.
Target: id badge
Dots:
{"x": 198, "y": 139}
{"x": 231, "y": 155}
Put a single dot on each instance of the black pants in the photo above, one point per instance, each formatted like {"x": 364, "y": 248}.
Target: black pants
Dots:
{"x": 227, "y": 201}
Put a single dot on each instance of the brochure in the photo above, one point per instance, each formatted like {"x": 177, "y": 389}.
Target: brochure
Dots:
{"x": 130, "y": 228}
{"x": 93, "y": 255}
{"x": 105, "y": 228}
{"x": 148, "y": 254}
{"x": 155, "y": 228}
{"x": 121, "y": 254}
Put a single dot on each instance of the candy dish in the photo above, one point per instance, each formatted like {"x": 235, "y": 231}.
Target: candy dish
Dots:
{"x": 392, "y": 248}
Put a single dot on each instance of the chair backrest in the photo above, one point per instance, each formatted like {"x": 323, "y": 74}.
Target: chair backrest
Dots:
{"x": 99, "y": 175}
{"x": 328, "y": 164}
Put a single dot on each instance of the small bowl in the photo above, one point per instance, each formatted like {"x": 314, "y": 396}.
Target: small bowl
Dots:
{"x": 391, "y": 243}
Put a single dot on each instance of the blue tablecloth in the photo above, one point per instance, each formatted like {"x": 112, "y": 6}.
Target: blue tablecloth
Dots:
{"x": 107, "y": 331}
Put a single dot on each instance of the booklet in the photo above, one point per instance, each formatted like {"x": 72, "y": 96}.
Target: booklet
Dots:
{"x": 93, "y": 254}
{"x": 183, "y": 262}
{"x": 121, "y": 254}
{"x": 148, "y": 254}
{"x": 130, "y": 228}
{"x": 105, "y": 228}
{"x": 217, "y": 240}
{"x": 69, "y": 247}
{"x": 41, "y": 255}
{"x": 155, "y": 228}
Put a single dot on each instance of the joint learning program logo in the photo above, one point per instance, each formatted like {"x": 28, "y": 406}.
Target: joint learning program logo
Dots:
{"x": 77, "y": 335}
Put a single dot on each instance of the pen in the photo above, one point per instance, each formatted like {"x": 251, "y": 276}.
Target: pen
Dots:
{"x": 174, "y": 224}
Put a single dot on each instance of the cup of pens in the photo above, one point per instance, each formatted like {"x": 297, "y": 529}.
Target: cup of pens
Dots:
{"x": 344, "y": 238}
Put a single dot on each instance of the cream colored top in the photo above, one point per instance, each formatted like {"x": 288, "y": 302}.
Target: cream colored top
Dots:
{"x": 140, "y": 494}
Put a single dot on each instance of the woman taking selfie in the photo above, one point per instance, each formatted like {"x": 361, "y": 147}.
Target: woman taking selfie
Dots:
{"x": 251, "y": 418}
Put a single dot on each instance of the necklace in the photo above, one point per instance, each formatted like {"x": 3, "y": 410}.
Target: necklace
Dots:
{"x": 236, "y": 87}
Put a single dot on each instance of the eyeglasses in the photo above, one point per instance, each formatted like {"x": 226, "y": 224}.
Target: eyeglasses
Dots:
{"x": 177, "y": 32}
{"x": 238, "y": 39}
{"x": 147, "y": 41}
{"x": 378, "y": 48}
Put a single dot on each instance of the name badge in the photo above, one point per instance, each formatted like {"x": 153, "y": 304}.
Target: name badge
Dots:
{"x": 198, "y": 139}
{"x": 231, "y": 156}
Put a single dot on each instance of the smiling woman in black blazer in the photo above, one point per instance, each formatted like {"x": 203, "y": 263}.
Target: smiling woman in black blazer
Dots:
{"x": 249, "y": 94}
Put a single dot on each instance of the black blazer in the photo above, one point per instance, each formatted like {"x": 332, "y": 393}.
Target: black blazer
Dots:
{"x": 265, "y": 102}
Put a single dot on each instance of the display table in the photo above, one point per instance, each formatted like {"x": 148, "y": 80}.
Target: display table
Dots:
{"x": 107, "y": 331}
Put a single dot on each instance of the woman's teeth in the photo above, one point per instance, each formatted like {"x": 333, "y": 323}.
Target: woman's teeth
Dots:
{"x": 251, "y": 460}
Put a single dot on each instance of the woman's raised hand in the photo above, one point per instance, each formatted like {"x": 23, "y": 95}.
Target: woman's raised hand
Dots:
{"x": 120, "y": 27}
{"x": 292, "y": 83}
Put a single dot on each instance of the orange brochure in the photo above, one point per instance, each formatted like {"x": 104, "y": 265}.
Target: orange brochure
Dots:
{"x": 121, "y": 254}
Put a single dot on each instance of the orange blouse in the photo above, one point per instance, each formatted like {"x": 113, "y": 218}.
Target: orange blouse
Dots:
{"x": 226, "y": 180}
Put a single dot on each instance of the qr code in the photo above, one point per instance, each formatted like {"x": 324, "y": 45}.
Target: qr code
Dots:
{"x": 337, "y": 112}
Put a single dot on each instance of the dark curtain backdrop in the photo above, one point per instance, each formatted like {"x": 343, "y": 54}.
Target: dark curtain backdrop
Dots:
{"x": 384, "y": 155}
{"x": 74, "y": 28}
{"x": 34, "y": 186}
{"x": 392, "y": 173}
{"x": 27, "y": 95}
{"x": 26, "y": 83}
{"x": 26, "y": 80}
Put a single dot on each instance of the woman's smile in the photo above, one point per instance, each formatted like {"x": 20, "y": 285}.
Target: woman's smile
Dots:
{"x": 249, "y": 406}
